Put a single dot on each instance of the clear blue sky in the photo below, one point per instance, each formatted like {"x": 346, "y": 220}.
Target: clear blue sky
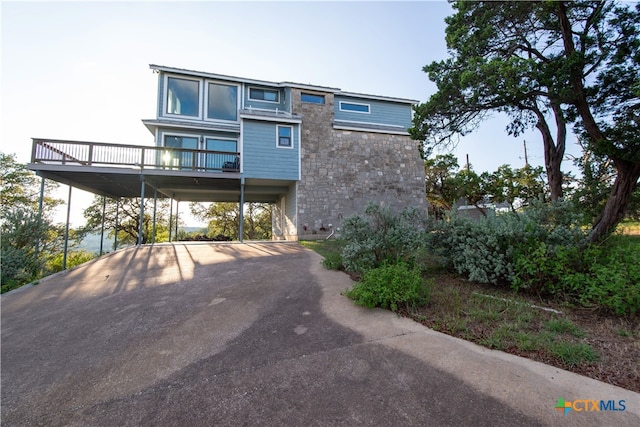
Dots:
{"x": 80, "y": 70}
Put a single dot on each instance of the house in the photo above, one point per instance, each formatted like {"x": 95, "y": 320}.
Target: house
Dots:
{"x": 319, "y": 154}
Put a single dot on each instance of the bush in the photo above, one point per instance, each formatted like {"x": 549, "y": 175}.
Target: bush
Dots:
{"x": 390, "y": 286}
{"x": 333, "y": 261}
{"x": 74, "y": 258}
{"x": 508, "y": 248}
{"x": 382, "y": 236}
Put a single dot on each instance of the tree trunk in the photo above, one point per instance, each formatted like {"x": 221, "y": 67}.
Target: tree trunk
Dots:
{"x": 614, "y": 211}
{"x": 553, "y": 155}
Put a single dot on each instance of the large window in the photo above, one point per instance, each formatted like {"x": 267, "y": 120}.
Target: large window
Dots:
{"x": 223, "y": 102}
{"x": 269, "y": 95}
{"x": 312, "y": 98}
{"x": 180, "y": 159}
{"x": 182, "y": 97}
{"x": 285, "y": 136}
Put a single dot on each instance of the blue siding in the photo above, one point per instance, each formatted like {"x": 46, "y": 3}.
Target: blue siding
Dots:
{"x": 381, "y": 112}
{"x": 261, "y": 158}
{"x": 281, "y": 105}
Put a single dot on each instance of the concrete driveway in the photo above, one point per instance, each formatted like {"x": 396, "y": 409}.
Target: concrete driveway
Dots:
{"x": 233, "y": 334}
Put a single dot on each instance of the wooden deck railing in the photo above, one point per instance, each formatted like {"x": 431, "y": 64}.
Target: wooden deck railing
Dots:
{"x": 50, "y": 151}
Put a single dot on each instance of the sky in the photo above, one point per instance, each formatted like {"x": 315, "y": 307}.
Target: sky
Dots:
{"x": 80, "y": 70}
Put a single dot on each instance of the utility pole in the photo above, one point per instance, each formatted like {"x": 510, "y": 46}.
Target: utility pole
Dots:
{"x": 468, "y": 165}
{"x": 526, "y": 159}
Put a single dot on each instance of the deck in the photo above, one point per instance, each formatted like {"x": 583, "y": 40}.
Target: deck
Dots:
{"x": 118, "y": 170}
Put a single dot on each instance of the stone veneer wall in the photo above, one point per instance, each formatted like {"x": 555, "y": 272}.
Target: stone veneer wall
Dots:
{"x": 342, "y": 171}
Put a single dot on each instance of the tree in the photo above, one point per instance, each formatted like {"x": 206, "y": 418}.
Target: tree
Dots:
{"x": 516, "y": 187}
{"x": 574, "y": 62}
{"x": 127, "y": 211}
{"x": 29, "y": 238}
{"x": 224, "y": 219}
{"x": 440, "y": 183}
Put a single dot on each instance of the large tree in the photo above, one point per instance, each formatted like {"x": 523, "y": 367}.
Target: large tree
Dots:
{"x": 573, "y": 63}
{"x": 126, "y": 214}
{"x": 224, "y": 218}
{"x": 29, "y": 237}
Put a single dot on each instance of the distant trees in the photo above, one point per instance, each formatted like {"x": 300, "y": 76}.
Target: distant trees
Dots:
{"x": 126, "y": 214}
{"x": 446, "y": 183}
{"x": 223, "y": 219}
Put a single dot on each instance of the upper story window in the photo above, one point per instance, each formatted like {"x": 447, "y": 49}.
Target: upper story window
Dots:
{"x": 355, "y": 107}
{"x": 268, "y": 95}
{"x": 182, "y": 97}
{"x": 312, "y": 98}
{"x": 222, "y": 102}
{"x": 285, "y": 136}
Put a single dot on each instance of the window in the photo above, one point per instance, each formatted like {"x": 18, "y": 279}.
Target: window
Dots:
{"x": 182, "y": 97}
{"x": 269, "y": 95}
{"x": 354, "y": 107}
{"x": 312, "y": 97}
{"x": 284, "y": 136}
{"x": 180, "y": 159}
{"x": 223, "y": 102}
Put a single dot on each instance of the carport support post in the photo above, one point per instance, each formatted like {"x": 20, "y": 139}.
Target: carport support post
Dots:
{"x": 104, "y": 208}
{"x": 241, "y": 224}
{"x": 40, "y": 205}
{"x": 141, "y": 222}
{"x": 170, "y": 218}
{"x": 66, "y": 232}
{"x": 155, "y": 206}
{"x": 177, "y": 209}
{"x": 115, "y": 239}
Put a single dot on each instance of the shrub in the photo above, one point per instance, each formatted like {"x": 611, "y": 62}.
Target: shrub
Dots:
{"x": 74, "y": 258}
{"x": 382, "y": 236}
{"x": 390, "y": 286}
{"x": 333, "y": 261}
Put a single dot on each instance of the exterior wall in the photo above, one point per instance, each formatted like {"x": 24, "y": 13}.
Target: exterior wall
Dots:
{"x": 284, "y": 216}
{"x": 342, "y": 171}
{"x": 262, "y": 158}
{"x": 380, "y": 112}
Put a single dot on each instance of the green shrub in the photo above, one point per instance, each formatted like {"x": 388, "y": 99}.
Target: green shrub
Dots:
{"x": 382, "y": 236}
{"x": 390, "y": 286}
{"x": 74, "y": 258}
{"x": 333, "y": 261}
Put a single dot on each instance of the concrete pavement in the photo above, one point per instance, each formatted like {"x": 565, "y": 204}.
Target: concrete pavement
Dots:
{"x": 255, "y": 334}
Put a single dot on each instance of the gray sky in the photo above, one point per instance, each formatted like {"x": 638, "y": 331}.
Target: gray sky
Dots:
{"x": 80, "y": 70}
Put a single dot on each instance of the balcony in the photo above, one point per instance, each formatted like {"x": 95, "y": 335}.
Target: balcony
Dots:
{"x": 116, "y": 170}
{"x": 47, "y": 151}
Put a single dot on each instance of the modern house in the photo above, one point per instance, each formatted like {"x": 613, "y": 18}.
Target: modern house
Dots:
{"x": 319, "y": 154}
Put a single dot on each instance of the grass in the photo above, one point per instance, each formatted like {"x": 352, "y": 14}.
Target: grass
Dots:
{"x": 603, "y": 347}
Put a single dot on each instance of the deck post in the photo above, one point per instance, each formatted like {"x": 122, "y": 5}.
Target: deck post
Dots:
{"x": 115, "y": 239}
{"x": 155, "y": 207}
{"x": 40, "y": 207}
{"x": 241, "y": 218}
{"x": 177, "y": 209}
{"x": 66, "y": 232}
{"x": 141, "y": 221}
{"x": 104, "y": 208}
{"x": 170, "y": 218}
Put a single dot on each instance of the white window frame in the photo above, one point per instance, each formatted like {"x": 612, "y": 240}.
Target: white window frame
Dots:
{"x": 165, "y": 100}
{"x": 290, "y": 147}
{"x": 263, "y": 89}
{"x": 205, "y": 101}
{"x": 355, "y": 103}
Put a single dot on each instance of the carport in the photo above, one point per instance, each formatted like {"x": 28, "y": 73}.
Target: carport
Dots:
{"x": 124, "y": 171}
